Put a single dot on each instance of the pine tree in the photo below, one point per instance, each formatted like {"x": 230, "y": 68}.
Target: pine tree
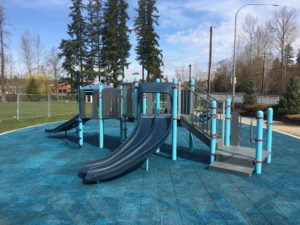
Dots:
{"x": 124, "y": 44}
{"x": 298, "y": 58}
{"x": 93, "y": 39}
{"x": 148, "y": 53}
{"x": 250, "y": 96}
{"x": 110, "y": 41}
{"x": 32, "y": 86}
{"x": 115, "y": 39}
{"x": 290, "y": 103}
{"x": 74, "y": 49}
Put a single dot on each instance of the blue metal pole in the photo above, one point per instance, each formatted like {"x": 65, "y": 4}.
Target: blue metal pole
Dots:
{"x": 269, "y": 131}
{"x": 157, "y": 106}
{"x": 259, "y": 141}
{"x": 144, "y": 103}
{"x": 191, "y": 138}
{"x": 174, "y": 119}
{"x": 227, "y": 121}
{"x": 121, "y": 114}
{"x": 145, "y": 112}
{"x": 101, "y": 129}
{"x": 213, "y": 131}
{"x": 80, "y": 124}
{"x": 136, "y": 99}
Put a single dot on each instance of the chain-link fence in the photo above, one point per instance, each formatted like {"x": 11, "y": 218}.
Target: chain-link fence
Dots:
{"x": 262, "y": 99}
{"x": 23, "y": 106}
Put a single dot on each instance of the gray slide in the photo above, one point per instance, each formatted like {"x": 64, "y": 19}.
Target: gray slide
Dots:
{"x": 137, "y": 137}
{"x": 150, "y": 133}
{"x": 68, "y": 125}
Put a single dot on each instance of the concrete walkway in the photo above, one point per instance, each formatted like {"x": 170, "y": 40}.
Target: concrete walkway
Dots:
{"x": 281, "y": 127}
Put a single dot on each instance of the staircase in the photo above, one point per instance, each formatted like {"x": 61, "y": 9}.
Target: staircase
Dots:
{"x": 235, "y": 159}
{"x": 232, "y": 159}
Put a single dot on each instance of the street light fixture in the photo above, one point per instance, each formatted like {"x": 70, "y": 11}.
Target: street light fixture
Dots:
{"x": 234, "y": 47}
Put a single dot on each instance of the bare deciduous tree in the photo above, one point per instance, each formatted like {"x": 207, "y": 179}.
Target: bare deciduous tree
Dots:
{"x": 249, "y": 27}
{"x": 284, "y": 30}
{"x": 27, "y": 48}
{"x": 3, "y": 35}
{"x": 54, "y": 62}
{"x": 31, "y": 51}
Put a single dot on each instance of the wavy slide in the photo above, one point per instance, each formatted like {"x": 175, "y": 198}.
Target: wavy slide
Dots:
{"x": 150, "y": 133}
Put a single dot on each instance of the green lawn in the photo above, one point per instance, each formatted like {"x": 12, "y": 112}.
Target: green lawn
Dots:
{"x": 33, "y": 113}
{"x": 8, "y": 110}
{"x": 8, "y": 125}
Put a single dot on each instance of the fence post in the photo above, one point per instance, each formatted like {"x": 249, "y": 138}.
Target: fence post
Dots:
{"x": 174, "y": 119}
{"x": 49, "y": 106}
{"x": 269, "y": 131}
{"x": 213, "y": 131}
{"x": 227, "y": 122}
{"x": 101, "y": 129}
{"x": 157, "y": 106}
{"x": 259, "y": 142}
{"x": 191, "y": 139}
{"x": 18, "y": 106}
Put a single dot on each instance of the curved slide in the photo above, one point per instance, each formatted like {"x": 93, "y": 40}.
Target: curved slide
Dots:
{"x": 66, "y": 126}
{"x": 150, "y": 133}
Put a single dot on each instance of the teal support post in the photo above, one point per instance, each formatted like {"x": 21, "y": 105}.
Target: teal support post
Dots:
{"x": 269, "y": 134}
{"x": 227, "y": 121}
{"x": 213, "y": 131}
{"x": 145, "y": 112}
{"x": 259, "y": 141}
{"x": 191, "y": 138}
{"x": 136, "y": 99}
{"x": 100, "y": 112}
{"x": 121, "y": 114}
{"x": 157, "y": 106}
{"x": 144, "y": 103}
{"x": 80, "y": 124}
{"x": 174, "y": 119}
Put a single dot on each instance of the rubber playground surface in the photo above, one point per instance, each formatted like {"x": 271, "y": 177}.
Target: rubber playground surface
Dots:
{"x": 39, "y": 184}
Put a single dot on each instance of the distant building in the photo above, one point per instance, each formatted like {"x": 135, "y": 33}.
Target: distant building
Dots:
{"x": 62, "y": 88}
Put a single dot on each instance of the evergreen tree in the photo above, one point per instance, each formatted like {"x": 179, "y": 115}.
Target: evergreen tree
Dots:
{"x": 148, "y": 53}
{"x": 298, "y": 58}
{"x": 115, "y": 39}
{"x": 288, "y": 54}
{"x": 290, "y": 103}
{"x": 74, "y": 49}
{"x": 124, "y": 44}
{"x": 250, "y": 96}
{"x": 32, "y": 86}
{"x": 93, "y": 40}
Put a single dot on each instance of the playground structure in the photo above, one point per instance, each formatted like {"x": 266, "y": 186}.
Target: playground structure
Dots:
{"x": 150, "y": 105}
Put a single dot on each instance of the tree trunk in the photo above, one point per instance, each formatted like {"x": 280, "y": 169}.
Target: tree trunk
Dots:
{"x": 2, "y": 63}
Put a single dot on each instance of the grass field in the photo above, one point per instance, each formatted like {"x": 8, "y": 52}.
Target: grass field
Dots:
{"x": 33, "y": 113}
{"x": 8, "y": 110}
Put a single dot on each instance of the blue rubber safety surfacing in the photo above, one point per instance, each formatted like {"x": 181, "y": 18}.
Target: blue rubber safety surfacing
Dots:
{"x": 38, "y": 184}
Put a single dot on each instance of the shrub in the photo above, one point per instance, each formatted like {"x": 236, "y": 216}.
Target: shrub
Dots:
{"x": 290, "y": 102}
{"x": 251, "y": 110}
{"x": 250, "y": 97}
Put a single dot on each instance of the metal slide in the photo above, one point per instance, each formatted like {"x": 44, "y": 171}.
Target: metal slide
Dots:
{"x": 66, "y": 126}
{"x": 132, "y": 153}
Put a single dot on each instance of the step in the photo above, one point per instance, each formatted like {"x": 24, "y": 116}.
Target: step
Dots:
{"x": 238, "y": 155}
{"x": 230, "y": 168}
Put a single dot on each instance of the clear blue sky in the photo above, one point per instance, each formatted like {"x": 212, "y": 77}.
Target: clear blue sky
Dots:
{"x": 184, "y": 26}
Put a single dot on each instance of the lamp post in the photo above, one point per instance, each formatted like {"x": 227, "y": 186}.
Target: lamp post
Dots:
{"x": 234, "y": 47}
